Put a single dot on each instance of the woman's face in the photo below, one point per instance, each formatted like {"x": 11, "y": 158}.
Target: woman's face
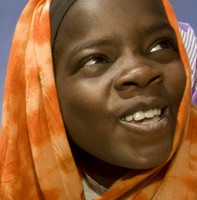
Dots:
{"x": 120, "y": 80}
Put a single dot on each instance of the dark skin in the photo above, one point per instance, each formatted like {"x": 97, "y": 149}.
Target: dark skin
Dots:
{"x": 116, "y": 64}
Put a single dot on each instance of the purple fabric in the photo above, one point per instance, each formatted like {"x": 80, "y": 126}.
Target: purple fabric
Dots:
{"x": 190, "y": 42}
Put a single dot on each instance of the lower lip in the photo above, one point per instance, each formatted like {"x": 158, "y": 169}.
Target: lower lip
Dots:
{"x": 156, "y": 126}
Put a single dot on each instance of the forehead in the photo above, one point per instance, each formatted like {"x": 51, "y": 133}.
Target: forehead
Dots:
{"x": 117, "y": 6}
{"x": 90, "y": 15}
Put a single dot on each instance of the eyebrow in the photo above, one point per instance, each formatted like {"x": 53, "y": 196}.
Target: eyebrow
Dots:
{"x": 104, "y": 41}
{"x": 109, "y": 40}
{"x": 158, "y": 27}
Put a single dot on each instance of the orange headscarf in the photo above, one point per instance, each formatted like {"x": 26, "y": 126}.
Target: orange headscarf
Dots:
{"x": 35, "y": 158}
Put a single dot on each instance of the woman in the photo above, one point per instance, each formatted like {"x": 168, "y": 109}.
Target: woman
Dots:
{"x": 123, "y": 95}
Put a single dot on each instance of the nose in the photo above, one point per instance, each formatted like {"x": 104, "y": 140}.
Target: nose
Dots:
{"x": 138, "y": 76}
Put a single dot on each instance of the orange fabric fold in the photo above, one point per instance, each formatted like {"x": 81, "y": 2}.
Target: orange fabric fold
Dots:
{"x": 36, "y": 161}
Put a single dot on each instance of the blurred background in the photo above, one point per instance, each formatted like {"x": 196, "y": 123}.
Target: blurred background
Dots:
{"x": 10, "y": 12}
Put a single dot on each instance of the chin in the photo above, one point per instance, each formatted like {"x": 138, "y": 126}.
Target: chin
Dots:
{"x": 147, "y": 164}
{"x": 144, "y": 162}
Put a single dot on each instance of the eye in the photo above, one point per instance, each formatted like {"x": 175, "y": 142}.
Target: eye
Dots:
{"x": 94, "y": 65}
{"x": 93, "y": 60}
{"x": 164, "y": 50}
{"x": 161, "y": 45}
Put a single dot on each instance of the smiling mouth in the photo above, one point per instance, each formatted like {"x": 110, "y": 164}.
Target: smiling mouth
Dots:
{"x": 146, "y": 117}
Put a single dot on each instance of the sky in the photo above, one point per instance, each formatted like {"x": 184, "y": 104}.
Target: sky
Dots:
{"x": 10, "y": 12}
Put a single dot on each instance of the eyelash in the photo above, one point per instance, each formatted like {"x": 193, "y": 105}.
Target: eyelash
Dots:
{"x": 165, "y": 43}
{"x": 101, "y": 58}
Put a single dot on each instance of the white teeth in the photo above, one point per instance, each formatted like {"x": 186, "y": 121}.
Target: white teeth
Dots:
{"x": 129, "y": 118}
{"x": 157, "y": 112}
{"x": 149, "y": 114}
{"x": 140, "y": 115}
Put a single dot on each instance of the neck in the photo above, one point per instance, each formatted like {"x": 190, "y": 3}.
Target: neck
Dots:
{"x": 103, "y": 173}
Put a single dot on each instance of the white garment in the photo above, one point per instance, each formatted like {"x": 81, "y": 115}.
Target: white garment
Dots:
{"x": 92, "y": 189}
{"x": 90, "y": 194}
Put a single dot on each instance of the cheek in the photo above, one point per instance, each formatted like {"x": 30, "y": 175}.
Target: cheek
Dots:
{"x": 82, "y": 106}
{"x": 84, "y": 118}
{"x": 175, "y": 81}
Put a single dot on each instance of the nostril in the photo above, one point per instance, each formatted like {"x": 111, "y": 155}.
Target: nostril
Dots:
{"x": 129, "y": 84}
{"x": 138, "y": 77}
{"x": 140, "y": 83}
{"x": 155, "y": 80}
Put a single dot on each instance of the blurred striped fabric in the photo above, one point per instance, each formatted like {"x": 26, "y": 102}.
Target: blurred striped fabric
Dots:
{"x": 190, "y": 42}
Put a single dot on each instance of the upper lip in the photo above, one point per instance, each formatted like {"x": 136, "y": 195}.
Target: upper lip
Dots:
{"x": 140, "y": 104}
